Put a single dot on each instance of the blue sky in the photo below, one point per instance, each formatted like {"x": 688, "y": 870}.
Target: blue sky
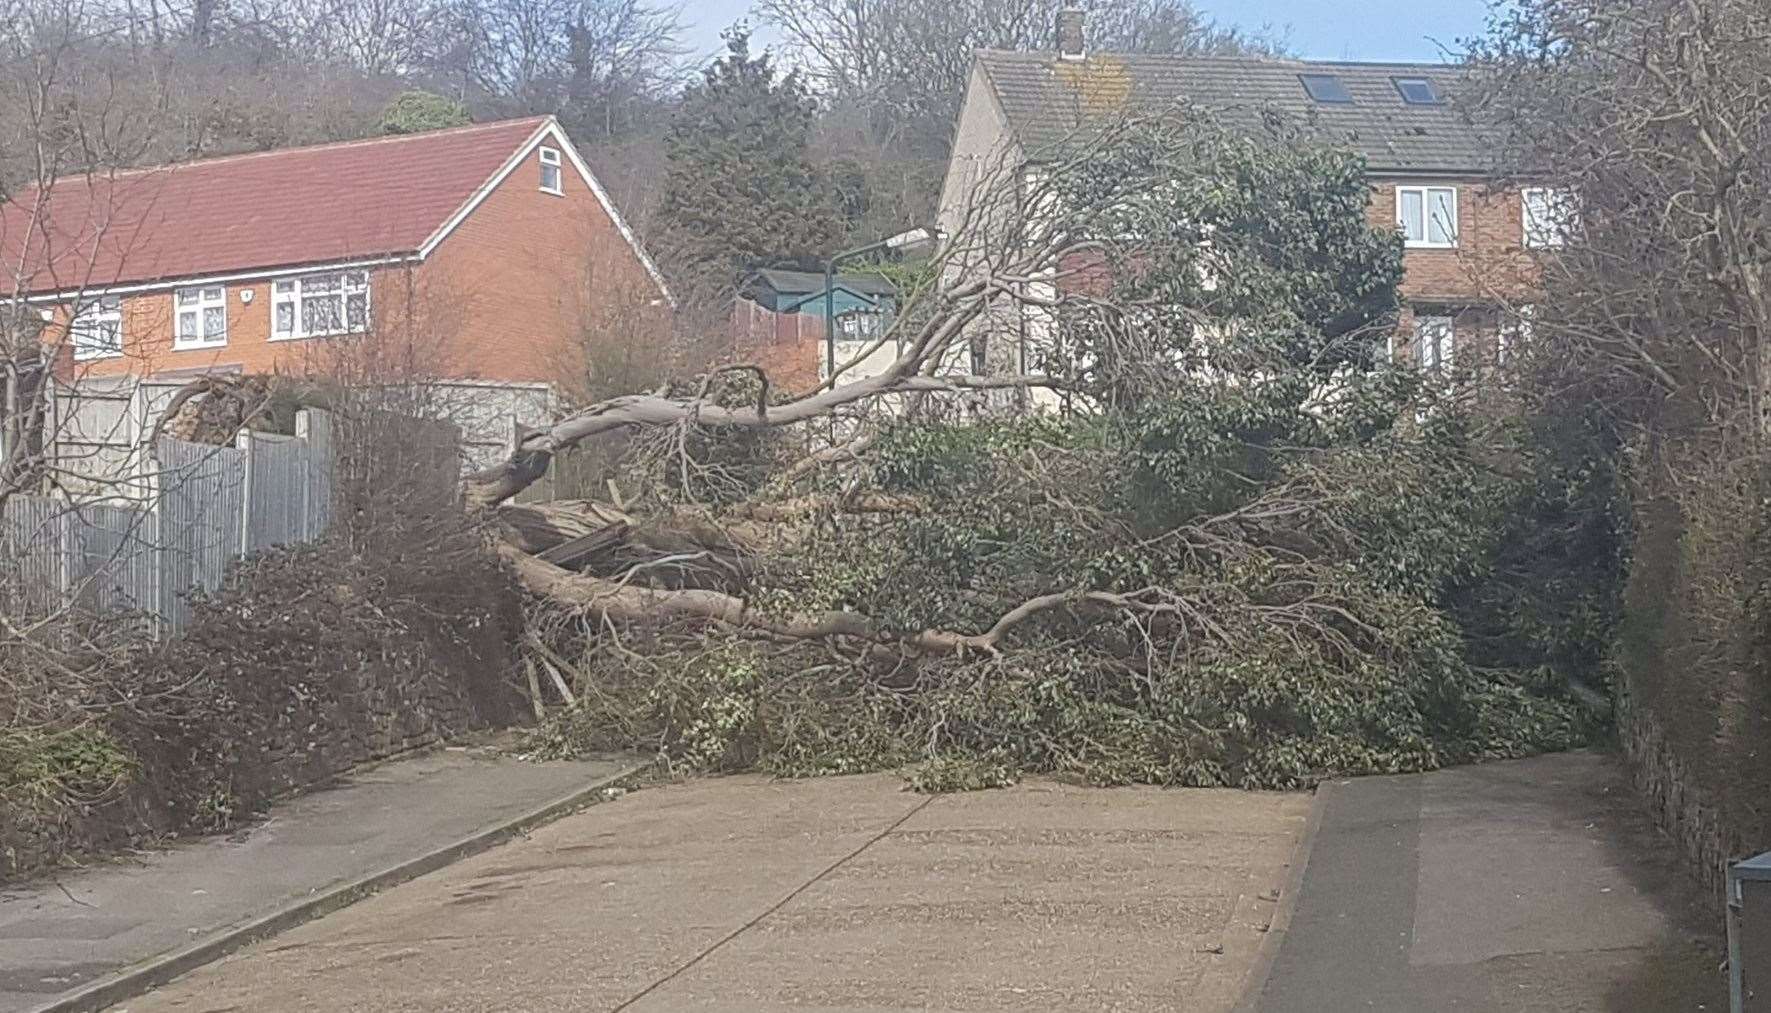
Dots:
{"x": 1323, "y": 29}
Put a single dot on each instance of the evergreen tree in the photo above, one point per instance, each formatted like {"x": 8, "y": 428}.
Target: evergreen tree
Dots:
{"x": 414, "y": 112}
{"x": 740, "y": 190}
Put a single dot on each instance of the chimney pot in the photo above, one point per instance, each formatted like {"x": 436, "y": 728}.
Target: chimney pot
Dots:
{"x": 1071, "y": 41}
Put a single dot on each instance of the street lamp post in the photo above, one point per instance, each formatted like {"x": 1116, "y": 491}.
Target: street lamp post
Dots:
{"x": 913, "y": 239}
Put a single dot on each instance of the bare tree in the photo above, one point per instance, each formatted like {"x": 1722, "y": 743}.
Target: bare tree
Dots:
{"x": 378, "y": 37}
{"x": 1644, "y": 118}
{"x": 1648, "y": 120}
{"x": 596, "y": 63}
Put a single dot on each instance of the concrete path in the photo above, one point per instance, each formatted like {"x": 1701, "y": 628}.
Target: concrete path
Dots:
{"x": 1532, "y": 885}
{"x": 61, "y": 936}
{"x": 838, "y": 894}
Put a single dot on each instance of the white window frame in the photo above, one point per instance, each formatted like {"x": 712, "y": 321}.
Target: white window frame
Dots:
{"x": 91, "y": 319}
{"x": 297, "y": 291}
{"x": 550, "y": 159}
{"x": 1549, "y": 231}
{"x": 195, "y": 302}
{"x": 1426, "y": 193}
{"x": 1443, "y": 328}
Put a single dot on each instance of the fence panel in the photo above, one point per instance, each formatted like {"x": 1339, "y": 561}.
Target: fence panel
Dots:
{"x": 277, "y": 490}
{"x": 33, "y": 531}
{"x": 202, "y": 507}
{"x": 207, "y": 506}
{"x": 113, "y": 558}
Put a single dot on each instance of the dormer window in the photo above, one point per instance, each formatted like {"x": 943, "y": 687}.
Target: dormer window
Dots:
{"x": 1417, "y": 91}
{"x": 550, "y": 171}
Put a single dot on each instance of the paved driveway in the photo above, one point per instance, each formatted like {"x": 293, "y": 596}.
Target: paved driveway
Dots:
{"x": 834, "y": 894}
{"x": 1533, "y": 885}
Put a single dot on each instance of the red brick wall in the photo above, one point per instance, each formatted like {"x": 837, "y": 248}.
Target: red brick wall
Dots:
{"x": 1489, "y": 266}
{"x": 149, "y": 327}
{"x": 788, "y": 346}
{"x": 504, "y": 297}
{"x": 1489, "y": 260}
{"x": 515, "y": 283}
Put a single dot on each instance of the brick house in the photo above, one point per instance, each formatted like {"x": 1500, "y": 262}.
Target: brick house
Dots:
{"x": 472, "y": 254}
{"x": 1469, "y": 246}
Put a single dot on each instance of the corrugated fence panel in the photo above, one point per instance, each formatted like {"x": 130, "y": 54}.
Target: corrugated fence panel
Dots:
{"x": 114, "y": 559}
{"x": 35, "y": 531}
{"x": 212, "y": 505}
{"x": 201, "y": 511}
{"x": 278, "y": 490}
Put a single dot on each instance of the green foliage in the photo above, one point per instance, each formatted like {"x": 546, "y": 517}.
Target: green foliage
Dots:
{"x": 1268, "y": 241}
{"x": 79, "y": 765}
{"x": 1245, "y": 555}
{"x": 740, "y": 190}
{"x": 414, "y": 112}
{"x": 1318, "y": 626}
{"x": 1551, "y": 600}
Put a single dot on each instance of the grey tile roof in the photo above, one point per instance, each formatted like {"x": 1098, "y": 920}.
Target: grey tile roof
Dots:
{"x": 1048, "y": 100}
{"x": 801, "y": 282}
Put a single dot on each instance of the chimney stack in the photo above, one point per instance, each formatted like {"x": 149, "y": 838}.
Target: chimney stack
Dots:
{"x": 1070, "y": 34}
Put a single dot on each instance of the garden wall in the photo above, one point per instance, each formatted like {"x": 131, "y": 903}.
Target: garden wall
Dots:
{"x": 1694, "y": 693}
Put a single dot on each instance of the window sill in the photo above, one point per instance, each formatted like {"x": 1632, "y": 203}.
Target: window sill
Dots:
{"x": 1428, "y": 246}
{"x": 80, "y": 356}
{"x": 318, "y": 334}
{"x": 555, "y": 193}
{"x": 197, "y": 346}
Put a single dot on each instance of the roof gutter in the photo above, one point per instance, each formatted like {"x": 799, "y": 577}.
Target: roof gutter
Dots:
{"x": 194, "y": 280}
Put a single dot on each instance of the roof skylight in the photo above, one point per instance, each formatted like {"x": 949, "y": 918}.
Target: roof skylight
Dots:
{"x": 1326, "y": 88}
{"x": 1417, "y": 91}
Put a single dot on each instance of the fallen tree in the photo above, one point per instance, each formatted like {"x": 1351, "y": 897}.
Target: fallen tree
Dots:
{"x": 1232, "y": 547}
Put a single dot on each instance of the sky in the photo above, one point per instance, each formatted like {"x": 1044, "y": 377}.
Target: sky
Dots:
{"x": 1319, "y": 29}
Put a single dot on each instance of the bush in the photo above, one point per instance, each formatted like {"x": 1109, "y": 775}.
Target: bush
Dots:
{"x": 309, "y": 660}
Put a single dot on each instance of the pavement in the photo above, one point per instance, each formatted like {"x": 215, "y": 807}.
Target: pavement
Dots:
{"x": 157, "y": 913}
{"x": 1528, "y": 885}
{"x": 835, "y": 894}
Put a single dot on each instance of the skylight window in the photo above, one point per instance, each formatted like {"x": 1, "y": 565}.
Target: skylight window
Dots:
{"x": 1417, "y": 91}
{"x": 1326, "y": 88}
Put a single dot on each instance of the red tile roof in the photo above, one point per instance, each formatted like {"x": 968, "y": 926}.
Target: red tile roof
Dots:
{"x": 333, "y": 202}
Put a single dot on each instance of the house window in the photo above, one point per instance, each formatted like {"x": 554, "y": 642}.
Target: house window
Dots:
{"x": 1326, "y": 88}
{"x": 1427, "y": 215}
{"x": 550, "y": 171}
{"x": 315, "y": 305}
{"x": 1417, "y": 91}
{"x": 202, "y": 317}
{"x": 97, "y": 329}
{"x": 1435, "y": 339}
{"x": 1549, "y": 216}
